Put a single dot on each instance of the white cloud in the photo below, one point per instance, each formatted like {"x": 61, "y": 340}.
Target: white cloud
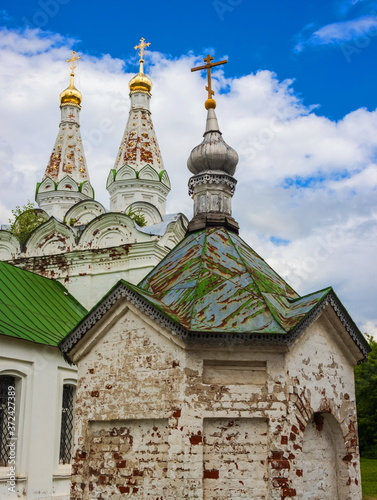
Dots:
{"x": 336, "y": 33}
{"x": 301, "y": 178}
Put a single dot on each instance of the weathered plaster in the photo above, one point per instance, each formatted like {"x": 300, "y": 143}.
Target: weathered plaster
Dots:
{"x": 211, "y": 422}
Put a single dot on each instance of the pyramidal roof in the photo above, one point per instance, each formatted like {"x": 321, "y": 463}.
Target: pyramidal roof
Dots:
{"x": 213, "y": 281}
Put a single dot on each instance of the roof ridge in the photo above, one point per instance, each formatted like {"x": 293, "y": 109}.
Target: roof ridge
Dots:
{"x": 273, "y": 314}
{"x": 201, "y": 265}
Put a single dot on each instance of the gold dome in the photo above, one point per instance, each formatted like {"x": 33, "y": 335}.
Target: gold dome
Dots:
{"x": 71, "y": 95}
{"x": 140, "y": 83}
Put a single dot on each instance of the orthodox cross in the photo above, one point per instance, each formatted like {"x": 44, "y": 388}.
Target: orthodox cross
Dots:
{"x": 142, "y": 46}
{"x": 72, "y": 61}
{"x": 208, "y": 66}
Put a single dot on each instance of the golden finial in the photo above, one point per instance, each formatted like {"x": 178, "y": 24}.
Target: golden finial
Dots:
{"x": 142, "y": 45}
{"x": 71, "y": 95}
{"x": 210, "y": 103}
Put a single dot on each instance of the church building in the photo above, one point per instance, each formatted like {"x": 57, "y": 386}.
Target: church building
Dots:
{"x": 81, "y": 243}
{"x": 212, "y": 378}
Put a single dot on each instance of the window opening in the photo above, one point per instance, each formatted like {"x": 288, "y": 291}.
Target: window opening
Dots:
{"x": 66, "y": 434}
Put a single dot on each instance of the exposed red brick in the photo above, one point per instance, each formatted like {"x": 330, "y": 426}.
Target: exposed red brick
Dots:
{"x": 295, "y": 429}
{"x": 347, "y": 458}
{"x": 288, "y": 492}
{"x": 124, "y": 489}
{"x": 284, "y": 440}
{"x": 121, "y": 464}
{"x": 211, "y": 474}
{"x": 299, "y": 472}
{"x": 94, "y": 394}
{"x": 177, "y": 413}
{"x": 196, "y": 438}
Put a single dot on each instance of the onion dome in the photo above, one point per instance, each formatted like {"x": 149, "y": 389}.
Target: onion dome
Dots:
{"x": 213, "y": 153}
{"x": 71, "y": 96}
{"x": 140, "y": 83}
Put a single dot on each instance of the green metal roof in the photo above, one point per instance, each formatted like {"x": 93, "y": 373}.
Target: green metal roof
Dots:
{"x": 213, "y": 281}
{"x": 35, "y": 308}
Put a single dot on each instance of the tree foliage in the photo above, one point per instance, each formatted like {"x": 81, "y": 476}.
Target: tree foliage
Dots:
{"x": 366, "y": 401}
{"x": 25, "y": 219}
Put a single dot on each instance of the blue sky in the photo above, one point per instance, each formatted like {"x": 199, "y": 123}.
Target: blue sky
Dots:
{"x": 297, "y": 101}
{"x": 328, "y": 47}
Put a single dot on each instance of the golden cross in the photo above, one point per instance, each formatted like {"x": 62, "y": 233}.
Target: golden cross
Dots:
{"x": 72, "y": 61}
{"x": 142, "y": 46}
{"x": 208, "y": 66}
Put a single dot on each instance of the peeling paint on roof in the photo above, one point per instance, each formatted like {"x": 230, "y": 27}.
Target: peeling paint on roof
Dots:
{"x": 213, "y": 281}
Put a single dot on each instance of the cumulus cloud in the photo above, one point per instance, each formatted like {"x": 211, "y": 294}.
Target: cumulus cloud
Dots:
{"x": 306, "y": 194}
{"x": 340, "y": 32}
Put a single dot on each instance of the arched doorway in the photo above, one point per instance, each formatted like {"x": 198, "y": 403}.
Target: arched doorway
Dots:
{"x": 322, "y": 451}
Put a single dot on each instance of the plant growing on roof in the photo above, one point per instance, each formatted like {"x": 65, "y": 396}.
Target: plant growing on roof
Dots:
{"x": 25, "y": 219}
{"x": 137, "y": 217}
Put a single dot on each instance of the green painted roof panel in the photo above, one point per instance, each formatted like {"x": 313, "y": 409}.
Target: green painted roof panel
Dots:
{"x": 213, "y": 281}
{"x": 35, "y": 308}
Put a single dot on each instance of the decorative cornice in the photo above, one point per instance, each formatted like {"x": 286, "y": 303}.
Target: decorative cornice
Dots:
{"x": 211, "y": 178}
{"x": 220, "y": 338}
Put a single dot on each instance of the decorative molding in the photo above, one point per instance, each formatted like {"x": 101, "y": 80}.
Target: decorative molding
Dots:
{"x": 211, "y": 178}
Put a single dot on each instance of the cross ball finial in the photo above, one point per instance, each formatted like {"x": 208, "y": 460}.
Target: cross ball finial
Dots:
{"x": 210, "y": 103}
{"x": 142, "y": 45}
{"x": 72, "y": 61}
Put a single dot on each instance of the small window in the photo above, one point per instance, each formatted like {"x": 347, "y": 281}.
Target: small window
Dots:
{"x": 7, "y": 383}
{"x": 66, "y": 434}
